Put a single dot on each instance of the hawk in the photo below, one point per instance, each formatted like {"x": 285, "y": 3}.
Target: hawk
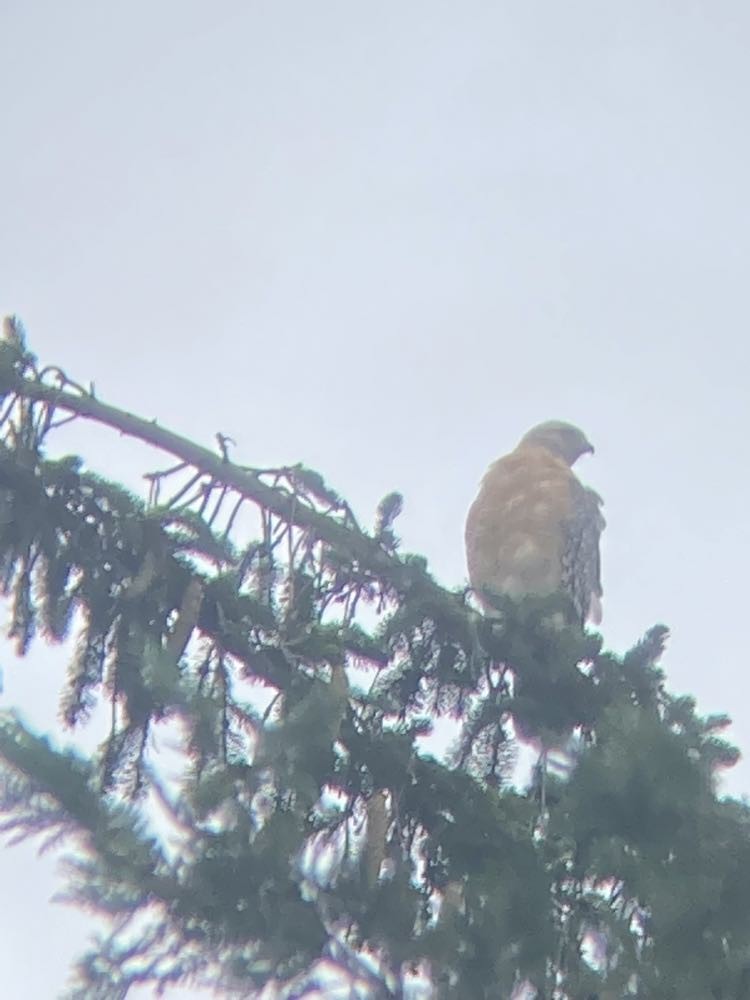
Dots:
{"x": 534, "y": 528}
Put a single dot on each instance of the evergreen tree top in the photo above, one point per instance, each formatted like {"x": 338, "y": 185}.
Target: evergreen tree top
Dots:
{"x": 309, "y": 836}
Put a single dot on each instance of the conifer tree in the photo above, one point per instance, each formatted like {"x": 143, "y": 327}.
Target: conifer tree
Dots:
{"x": 307, "y": 837}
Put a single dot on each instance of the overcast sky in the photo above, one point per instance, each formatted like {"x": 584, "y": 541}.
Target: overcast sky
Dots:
{"x": 385, "y": 239}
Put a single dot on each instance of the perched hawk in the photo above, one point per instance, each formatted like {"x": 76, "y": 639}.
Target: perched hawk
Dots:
{"x": 534, "y": 527}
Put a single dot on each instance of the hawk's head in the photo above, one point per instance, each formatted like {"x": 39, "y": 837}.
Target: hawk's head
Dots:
{"x": 563, "y": 440}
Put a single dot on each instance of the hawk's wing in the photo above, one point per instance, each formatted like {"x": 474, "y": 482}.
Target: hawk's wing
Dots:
{"x": 581, "y": 561}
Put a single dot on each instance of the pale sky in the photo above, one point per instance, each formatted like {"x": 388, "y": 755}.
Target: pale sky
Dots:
{"x": 385, "y": 239}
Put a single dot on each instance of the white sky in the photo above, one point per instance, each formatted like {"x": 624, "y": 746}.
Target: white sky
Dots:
{"x": 385, "y": 239}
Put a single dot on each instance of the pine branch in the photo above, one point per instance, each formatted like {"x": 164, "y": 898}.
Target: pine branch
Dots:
{"x": 247, "y": 483}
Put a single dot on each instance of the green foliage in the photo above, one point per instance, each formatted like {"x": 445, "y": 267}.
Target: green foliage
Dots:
{"x": 303, "y": 669}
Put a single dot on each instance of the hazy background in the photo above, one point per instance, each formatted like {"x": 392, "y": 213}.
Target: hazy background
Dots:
{"x": 385, "y": 239}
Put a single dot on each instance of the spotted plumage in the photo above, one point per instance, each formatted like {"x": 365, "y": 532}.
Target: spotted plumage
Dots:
{"x": 534, "y": 528}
